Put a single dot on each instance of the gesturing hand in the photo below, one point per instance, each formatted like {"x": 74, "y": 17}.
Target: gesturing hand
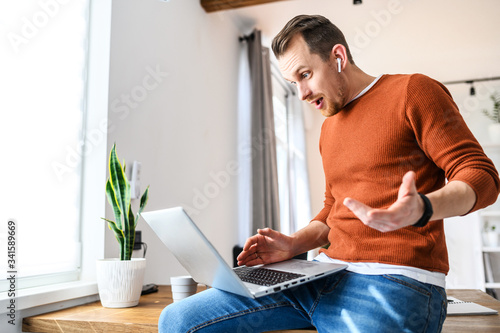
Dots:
{"x": 266, "y": 247}
{"x": 407, "y": 209}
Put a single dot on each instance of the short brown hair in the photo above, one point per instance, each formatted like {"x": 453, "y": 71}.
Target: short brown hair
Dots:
{"x": 318, "y": 32}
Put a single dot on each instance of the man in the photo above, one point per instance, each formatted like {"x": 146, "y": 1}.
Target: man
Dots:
{"x": 388, "y": 144}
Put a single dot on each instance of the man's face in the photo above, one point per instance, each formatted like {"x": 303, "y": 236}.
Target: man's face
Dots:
{"x": 317, "y": 82}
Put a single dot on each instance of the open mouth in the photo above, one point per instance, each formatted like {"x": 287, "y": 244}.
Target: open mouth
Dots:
{"x": 318, "y": 103}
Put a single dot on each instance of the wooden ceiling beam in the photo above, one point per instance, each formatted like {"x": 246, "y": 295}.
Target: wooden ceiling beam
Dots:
{"x": 218, "y": 5}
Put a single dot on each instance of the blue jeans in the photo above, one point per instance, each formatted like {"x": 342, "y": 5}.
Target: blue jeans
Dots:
{"x": 343, "y": 302}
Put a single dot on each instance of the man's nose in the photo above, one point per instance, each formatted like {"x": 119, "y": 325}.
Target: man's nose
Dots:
{"x": 304, "y": 91}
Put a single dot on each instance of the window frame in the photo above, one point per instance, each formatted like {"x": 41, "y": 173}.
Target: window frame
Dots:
{"x": 32, "y": 301}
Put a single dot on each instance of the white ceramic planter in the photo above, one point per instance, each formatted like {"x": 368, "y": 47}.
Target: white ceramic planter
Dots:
{"x": 120, "y": 281}
{"x": 494, "y": 132}
{"x": 492, "y": 238}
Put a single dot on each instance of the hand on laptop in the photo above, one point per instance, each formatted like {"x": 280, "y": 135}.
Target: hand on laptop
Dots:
{"x": 266, "y": 247}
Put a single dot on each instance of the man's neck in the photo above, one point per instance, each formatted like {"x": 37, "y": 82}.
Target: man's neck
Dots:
{"x": 358, "y": 80}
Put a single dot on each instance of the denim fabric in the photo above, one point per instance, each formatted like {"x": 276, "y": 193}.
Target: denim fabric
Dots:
{"x": 344, "y": 302}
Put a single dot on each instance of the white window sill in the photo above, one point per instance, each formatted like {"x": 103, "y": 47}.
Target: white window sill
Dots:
{"x": 38, "y": 296}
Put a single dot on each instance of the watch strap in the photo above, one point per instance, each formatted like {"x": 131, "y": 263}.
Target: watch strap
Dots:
{"x": 428, "y": 211}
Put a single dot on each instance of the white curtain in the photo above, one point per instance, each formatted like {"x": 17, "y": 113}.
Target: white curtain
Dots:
{"x": 259, "y": 204}
{"x": 258, "y": 190}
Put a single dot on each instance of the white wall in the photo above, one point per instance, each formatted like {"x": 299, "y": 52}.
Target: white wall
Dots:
{"x": 180, "y": 125}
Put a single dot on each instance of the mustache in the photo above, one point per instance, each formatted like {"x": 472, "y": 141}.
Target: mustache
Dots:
{"x": 314, "y": 99}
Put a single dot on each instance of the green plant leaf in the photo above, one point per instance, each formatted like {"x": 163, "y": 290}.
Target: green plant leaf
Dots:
{"x": 112, "y": 202}
{"x": 118, "y": 235}
{"x": 120, "y": 185}
{"x": 129, "y": 233}
{"x": 119, "y": 197}
{"x": 112, "y": 226}
{"x": 144, "y": 201}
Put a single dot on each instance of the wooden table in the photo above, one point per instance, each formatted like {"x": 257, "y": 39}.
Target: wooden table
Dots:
{"x": 93, "y": 317}
{"x": 469, "y": 324}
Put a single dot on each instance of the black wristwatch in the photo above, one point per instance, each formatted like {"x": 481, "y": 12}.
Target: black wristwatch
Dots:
{"x": 427, "y": 212}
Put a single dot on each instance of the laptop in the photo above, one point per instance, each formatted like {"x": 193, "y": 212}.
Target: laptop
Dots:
{"x": 199, "y": 257}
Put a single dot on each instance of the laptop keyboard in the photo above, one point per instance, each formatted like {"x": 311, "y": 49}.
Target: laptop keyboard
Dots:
{"x": 264, "y": 276}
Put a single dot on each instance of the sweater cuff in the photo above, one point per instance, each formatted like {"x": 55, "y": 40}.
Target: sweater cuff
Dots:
{"x": 484, "y": 185}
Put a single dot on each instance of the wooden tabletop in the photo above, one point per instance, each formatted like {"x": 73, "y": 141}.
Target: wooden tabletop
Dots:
{"x": 93, "y": 317}
{"x": 458, "y": 324}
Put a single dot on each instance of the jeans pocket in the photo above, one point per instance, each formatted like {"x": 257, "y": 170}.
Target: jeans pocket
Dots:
{"x": 422, "y": 288}
{"x": 429, "y": 304}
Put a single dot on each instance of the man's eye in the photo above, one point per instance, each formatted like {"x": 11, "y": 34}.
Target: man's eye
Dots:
{"x": 305, "y": 75}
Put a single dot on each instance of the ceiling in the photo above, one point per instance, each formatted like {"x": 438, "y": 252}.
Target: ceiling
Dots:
{"x": 273, "y": 15}
{"x": 446, "y": 39}
{"x": 218, "y": 5}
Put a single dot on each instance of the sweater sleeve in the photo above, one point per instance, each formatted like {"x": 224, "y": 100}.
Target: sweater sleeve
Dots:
{"x": 443, "y": 135}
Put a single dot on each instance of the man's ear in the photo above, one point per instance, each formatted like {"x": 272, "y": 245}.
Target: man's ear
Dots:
{"x": 339, "y": 52}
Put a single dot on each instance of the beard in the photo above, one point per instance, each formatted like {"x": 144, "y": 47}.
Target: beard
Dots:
{"x": 332, "y": 107}
{"x": 335, "y": 104}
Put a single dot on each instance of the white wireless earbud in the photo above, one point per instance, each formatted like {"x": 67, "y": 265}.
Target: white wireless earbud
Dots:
{"x": 339, "y": 65}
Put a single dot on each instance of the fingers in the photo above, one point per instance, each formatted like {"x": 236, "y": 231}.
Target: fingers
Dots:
{"x": 250, "y": 241}
{"x": 398, "y": 215}
{"x": 247, "y": 251}
{"x": 257, "y": 249}
{"x": 358, "y": 208}
{"x": 366, "y": 214}
{"x": 382, "y": 220}
{"x": 408, "y": 186}
{"x": 248, "y": 255}
{"x": 250, "y": 259}
{"x": 268, "y": 232}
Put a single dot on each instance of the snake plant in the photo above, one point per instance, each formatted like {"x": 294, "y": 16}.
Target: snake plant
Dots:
{"x": 119, "y": 197}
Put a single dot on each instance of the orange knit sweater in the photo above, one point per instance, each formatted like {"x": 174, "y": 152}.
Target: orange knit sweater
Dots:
{"x": 404, "y": 122}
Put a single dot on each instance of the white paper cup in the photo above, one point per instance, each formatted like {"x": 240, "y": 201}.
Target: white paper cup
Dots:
{"x": 182, "y": 280}
{"x": 182, "y": 287}
{"x": 190, "y": 288}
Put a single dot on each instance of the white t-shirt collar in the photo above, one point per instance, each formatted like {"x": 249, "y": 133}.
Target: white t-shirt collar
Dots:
{"x": 368, "y": 87}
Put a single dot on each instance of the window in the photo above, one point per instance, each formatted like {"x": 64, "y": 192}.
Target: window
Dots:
{"x": 291, "y": 157}
{"x": 280, "y": 123}
{"x": 42, "y": 142}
